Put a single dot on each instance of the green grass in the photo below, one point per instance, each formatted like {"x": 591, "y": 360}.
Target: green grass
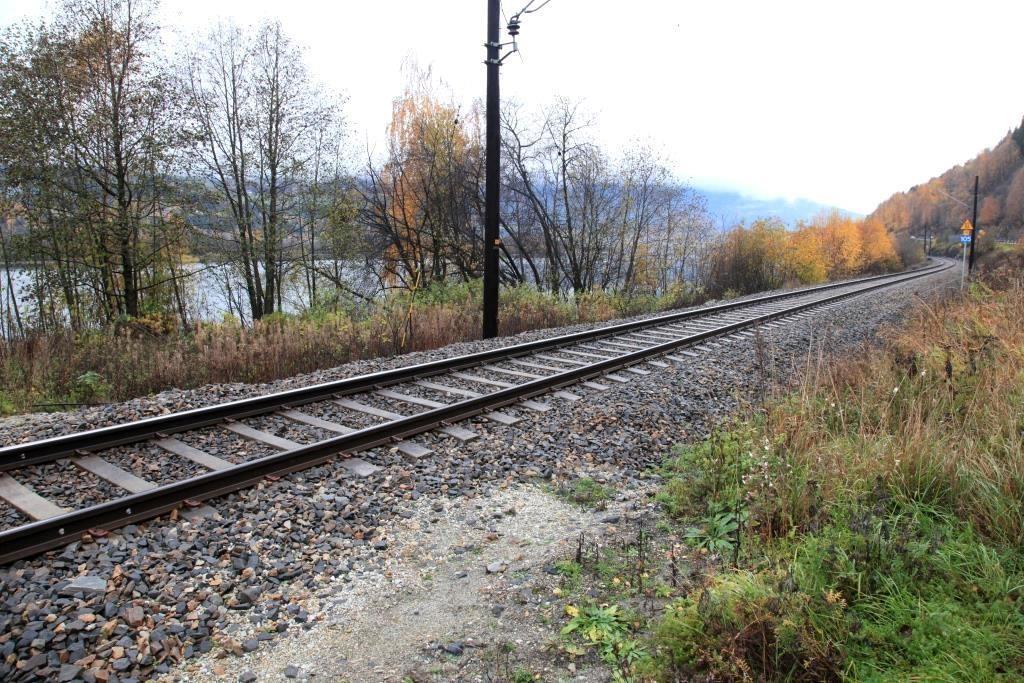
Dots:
{"x": 586, "y": 492}
{"x": 868, "y": 526}
{"x": 909, "y": 593}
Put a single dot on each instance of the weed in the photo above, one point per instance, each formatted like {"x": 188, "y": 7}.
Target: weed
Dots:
{"x": 499, "y": 666}
{"x": 586, "y": 492}
{"x": 717, "y": 533}
{"x": 571, "y": 573}
{"x": 608, "y": 629}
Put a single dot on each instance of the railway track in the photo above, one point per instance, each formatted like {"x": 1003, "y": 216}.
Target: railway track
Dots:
{"x": 383, "y": 408}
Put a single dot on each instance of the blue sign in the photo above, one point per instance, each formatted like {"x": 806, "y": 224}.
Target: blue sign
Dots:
{"x": 965, "y": 239}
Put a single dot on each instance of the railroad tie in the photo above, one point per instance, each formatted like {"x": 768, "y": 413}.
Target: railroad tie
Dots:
{"x": 197, "y": 456}
{"x": 532, "y": 405}
{"x": 260, "y": 436}
{"x": 567, "y": 361}
{"x": 30, "y": 503}
{"x": 409, "y": 448}
{"x": 483, "y": 380}
{"x": 112, "y": 473}
{"x": 494, "y": 415}
{"x": 460, "y": 433}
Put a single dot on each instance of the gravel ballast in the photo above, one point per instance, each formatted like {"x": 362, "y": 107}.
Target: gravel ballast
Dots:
{"x": 264, "y": 570}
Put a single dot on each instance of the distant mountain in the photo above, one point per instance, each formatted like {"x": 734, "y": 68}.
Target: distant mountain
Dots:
{"x": 733, "y": 207}
{"x": 941, "y": 204}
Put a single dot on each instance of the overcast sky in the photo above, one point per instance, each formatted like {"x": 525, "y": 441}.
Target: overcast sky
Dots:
{"x": 838, "y": 102}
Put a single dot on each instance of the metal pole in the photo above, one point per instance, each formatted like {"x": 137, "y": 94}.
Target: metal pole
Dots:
{"x": 963, "y": 270}
{"x": 974, "y": 226}
{"x": 493, "y": 169}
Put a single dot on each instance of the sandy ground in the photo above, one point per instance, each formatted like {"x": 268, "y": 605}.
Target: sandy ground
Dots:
{"x": 473, "y": 576}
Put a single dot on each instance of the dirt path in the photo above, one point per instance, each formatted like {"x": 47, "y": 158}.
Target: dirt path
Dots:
{"x": 464, "y": 593}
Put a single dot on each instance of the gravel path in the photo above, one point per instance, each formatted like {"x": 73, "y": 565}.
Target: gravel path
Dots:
{"x": 284, "y": 555}
{"x": 454, "y": 581}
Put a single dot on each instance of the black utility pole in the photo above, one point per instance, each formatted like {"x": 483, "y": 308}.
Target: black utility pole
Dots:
{"x": 492, "y": 240}
{"x": 974, "y": 227}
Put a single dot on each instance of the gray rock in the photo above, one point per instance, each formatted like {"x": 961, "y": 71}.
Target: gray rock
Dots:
{"x": 291, "y": 671}
{"x": 247, "y": 677}
{"x": 68, "y": 672}
{"x": 34, "y": 662}
{"x": 88, "y": 584}
{"x": 496, "y": 567}
{"x": 454, "y": 649}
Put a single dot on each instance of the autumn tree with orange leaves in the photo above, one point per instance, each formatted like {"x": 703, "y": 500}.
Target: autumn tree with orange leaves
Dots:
{"x": 766, "y": 255}
{"x": 423, "y": 204}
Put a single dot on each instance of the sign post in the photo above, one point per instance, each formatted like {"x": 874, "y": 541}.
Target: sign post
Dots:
{"x": 966, "y": 231}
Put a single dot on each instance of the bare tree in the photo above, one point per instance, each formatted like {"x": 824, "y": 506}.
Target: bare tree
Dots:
{"x": 578, "y": 220}
{"x": 260, "y": 132}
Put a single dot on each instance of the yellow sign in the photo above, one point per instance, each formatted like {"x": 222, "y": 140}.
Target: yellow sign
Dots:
{"x": 966, "y": 228}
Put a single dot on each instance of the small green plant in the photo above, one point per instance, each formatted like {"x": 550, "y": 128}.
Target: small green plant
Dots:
{"x": 610, "y": 631}
{"x": 716, "y": 533}
{"x": 587, "y": 492}
{"x": 707, "y": 474}
{"x": 90, "y": 386}
{"x": 663, "y": 591}
{"x": 571, "y": 573}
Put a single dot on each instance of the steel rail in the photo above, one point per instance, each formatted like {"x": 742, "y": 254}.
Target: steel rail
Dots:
{"x": 45, "y": 534}
{"x": 55, "y": 448}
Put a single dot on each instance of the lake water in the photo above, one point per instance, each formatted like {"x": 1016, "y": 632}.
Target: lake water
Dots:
{"x": 213, "y": 291}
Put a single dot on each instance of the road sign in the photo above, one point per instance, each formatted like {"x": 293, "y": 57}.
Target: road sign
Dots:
{"x": 966, "y": 228}
{"x": 966, "y": 238}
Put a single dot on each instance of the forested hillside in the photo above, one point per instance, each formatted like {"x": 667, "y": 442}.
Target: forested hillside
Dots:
{"x": 938, "y": 206}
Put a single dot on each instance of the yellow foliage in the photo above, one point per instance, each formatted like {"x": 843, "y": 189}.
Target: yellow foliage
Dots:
{"x": 830, "y": 246}
{"x": 841, "y": 243}
{"x": 805, "y": 256}
{"x": 878, "y": 248}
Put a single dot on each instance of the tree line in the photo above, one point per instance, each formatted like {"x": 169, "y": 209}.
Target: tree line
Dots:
{"x": 832, "y": 245}
{"x": 127, "y": 174}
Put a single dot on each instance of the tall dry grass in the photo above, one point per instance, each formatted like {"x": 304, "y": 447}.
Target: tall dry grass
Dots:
{"x": 937, "y": 414}
{"x": 45, "y": 371}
